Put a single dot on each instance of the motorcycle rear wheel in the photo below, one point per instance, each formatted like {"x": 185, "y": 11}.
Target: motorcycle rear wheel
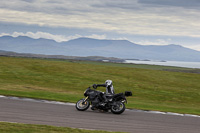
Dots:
{"x": 118, "y": 108}
{"x": 82, "y": 106}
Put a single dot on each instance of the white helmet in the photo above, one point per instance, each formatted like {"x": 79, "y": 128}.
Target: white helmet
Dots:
{"x": 108, "y": 83}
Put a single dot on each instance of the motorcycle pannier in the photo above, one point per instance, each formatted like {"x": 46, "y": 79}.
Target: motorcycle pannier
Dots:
{"x": 128, "y": 93}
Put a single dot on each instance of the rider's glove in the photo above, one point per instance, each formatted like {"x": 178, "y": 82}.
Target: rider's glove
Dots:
{"x": 94, "y": 86}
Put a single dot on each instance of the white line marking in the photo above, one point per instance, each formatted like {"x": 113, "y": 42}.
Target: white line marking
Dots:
{"x": 8, "y": 122}
{"x": 73, "y": 104}
{"x": 170, "y": 113}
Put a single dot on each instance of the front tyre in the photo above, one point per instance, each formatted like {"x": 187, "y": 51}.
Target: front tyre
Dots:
{"x": 118, "y": 108}
{"x": 82, "y": 106}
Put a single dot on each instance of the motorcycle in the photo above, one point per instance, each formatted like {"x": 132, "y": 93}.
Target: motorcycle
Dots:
{"x": 93, "y": 97}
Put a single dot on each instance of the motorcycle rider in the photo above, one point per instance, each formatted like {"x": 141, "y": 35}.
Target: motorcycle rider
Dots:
{"x": 109, "y": 89}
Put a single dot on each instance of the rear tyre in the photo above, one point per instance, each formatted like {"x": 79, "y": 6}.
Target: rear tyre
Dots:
{"x": 82, "y": 106}
{"x": 118, "y": 108}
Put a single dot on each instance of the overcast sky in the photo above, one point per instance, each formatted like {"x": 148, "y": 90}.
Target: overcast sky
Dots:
{"x": 146, "y": 22}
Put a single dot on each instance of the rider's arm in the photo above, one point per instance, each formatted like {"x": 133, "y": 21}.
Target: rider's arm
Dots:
{"x": 101, "y": 85}
{"x": 98, "y": 85}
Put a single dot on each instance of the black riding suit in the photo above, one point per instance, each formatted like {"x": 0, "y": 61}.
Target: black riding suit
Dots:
{"x": 109, "y": 90}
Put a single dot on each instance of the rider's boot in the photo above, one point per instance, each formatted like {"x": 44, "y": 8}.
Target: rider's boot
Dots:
{"x": 93, "y": 108}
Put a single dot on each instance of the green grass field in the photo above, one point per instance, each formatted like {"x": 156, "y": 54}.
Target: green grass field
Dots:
{"x": 62, "y": 80}
{"x": 30, "y": 128}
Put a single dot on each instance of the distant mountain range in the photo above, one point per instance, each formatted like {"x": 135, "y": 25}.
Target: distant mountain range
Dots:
{"x": 72, "y": 58}
{"x": 93, "y": 47}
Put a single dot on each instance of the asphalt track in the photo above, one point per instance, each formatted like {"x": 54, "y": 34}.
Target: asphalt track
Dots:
{"x": 38, "y": 112}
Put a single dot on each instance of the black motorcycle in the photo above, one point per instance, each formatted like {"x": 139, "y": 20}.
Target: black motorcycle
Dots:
{"x": 115, "y": 102}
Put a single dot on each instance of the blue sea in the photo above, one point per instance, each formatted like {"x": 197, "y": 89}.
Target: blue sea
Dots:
{"x": 167, "y": 63}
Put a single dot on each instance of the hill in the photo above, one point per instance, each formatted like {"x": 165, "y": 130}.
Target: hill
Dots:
{"x": 94, "y": 47}
{"x": 88, "y": 58}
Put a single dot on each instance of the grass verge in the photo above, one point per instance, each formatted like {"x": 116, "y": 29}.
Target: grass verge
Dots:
{"x": 30, "y": 128}
{"x": 153, "y": 88}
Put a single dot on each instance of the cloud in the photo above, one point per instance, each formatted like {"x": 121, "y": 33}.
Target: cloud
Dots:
{"x": 178, "y": 3}
{"x": 125, "y": 17}
{"x": 155, "y": 42}
{"x": 58, "y": 38}
{"x": 196, "y": 47}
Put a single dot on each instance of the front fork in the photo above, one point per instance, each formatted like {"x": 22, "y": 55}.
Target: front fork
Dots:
{"x": 84, "y": 101}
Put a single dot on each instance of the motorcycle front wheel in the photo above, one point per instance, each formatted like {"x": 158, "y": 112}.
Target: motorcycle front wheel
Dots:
{"x": 82, "y": 106}
{"x": 118, "y": 108}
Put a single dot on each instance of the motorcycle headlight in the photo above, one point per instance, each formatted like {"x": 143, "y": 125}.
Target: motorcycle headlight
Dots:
{"x": 86, "y": 92}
